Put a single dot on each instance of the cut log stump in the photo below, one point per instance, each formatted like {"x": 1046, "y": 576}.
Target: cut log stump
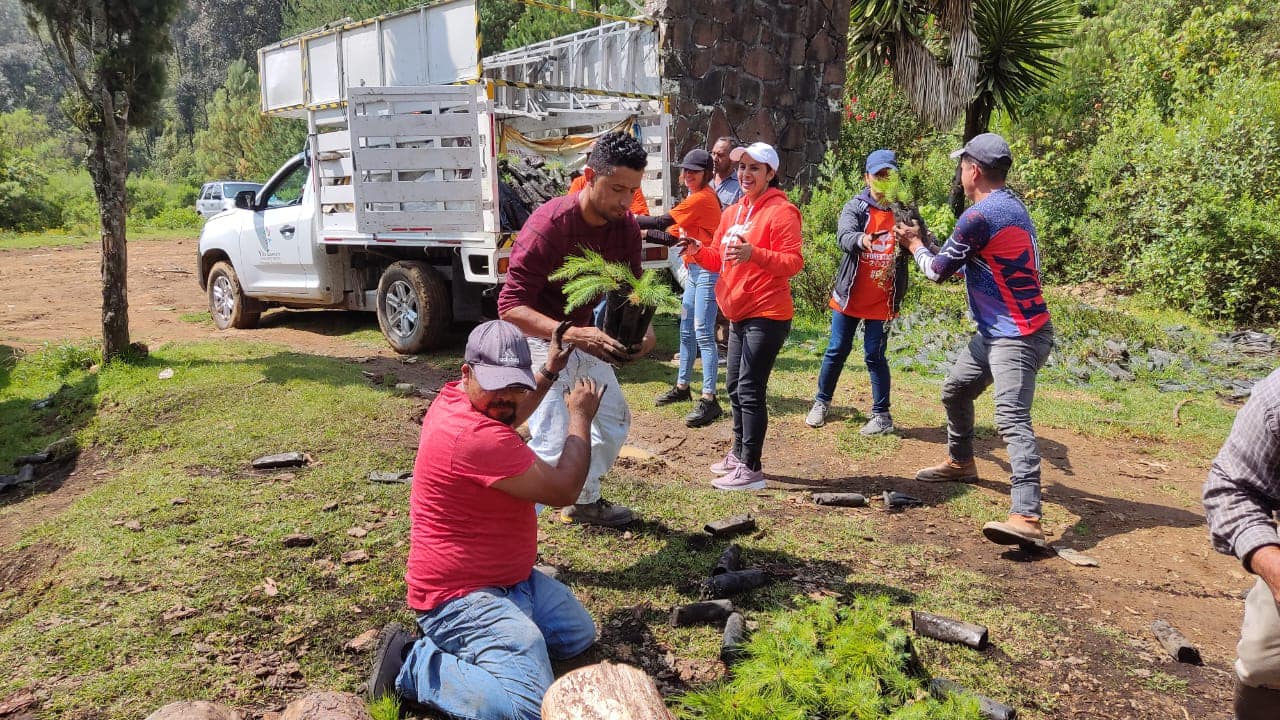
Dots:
{"x": 605, "y": 691}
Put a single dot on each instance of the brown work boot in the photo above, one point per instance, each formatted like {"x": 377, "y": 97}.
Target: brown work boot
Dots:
{"x": 601, "y": 512}
{"x": 1017, "y": 530}
{"x": 949, "y": 471}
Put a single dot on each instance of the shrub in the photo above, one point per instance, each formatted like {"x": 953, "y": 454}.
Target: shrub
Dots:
{"x": 876, "y": 115}
{"x": 149, "y": 196}
{"x": 811, "y": 287}
{"x": 176, "y": 218}
{"x": 72, "y": 192}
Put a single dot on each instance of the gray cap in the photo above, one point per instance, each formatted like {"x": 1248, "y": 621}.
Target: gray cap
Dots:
{"x": 986, "y": 149}
{"x": 499, "y": 356}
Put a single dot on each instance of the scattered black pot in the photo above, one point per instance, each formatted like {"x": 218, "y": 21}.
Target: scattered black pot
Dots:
{"x": 732, "y": 583}
{"x": 731, "y": 526}
{"x": 730, "y": 560}
{"x": 705, "y": 611}
{"x": 948, "y": 629}
{"x": 940, "y": 688}
{"x": 840, "y": 499}
{"x": 735, "y": 632}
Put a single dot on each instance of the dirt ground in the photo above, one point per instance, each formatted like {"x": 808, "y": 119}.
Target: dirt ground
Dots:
{"x": 1146, "y": 527}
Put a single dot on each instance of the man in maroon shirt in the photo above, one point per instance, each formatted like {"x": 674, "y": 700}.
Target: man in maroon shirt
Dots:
{"x": 490, "y": 622}
{"x": 596, "y": 218}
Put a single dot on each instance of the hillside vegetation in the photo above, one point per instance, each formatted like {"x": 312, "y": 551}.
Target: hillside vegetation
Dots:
{"x": 1151, "y": 162}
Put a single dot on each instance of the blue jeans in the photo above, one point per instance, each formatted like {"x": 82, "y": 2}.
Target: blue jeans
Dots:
{"x": 875, "y": 338}
{"x": 698, "y": 328}
{"x": 487, "y": 655}
{"x": 1011, "y": 364}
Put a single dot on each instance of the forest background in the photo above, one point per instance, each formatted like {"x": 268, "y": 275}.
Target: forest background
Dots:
{"x": 1150, "y": 159}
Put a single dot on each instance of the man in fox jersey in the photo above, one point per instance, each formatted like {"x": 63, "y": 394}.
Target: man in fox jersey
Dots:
{"x": 995, "y": 243}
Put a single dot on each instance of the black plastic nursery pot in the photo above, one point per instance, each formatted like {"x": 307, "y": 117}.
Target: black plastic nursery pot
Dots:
{"x": 623, "y": 321}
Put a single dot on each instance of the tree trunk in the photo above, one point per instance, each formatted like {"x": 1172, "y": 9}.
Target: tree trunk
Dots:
{"x": 108, "y": 166}
{"x": 976, "y": 119}
{"x": 604, "y": 692}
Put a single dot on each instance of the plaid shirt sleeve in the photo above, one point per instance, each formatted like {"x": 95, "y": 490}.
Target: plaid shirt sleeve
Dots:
{"x": 1242, "y": 492}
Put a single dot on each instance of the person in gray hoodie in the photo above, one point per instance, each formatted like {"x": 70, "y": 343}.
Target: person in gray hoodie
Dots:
{"x": 868, "y": 291}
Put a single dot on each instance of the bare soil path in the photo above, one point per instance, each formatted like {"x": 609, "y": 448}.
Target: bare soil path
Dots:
{"x": 1145, "y": 525}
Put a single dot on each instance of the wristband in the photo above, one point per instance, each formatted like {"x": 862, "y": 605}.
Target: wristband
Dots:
{"x": 552, "y": 376}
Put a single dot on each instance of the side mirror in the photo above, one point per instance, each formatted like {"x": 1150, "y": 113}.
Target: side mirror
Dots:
{"x": 245, "y": 199}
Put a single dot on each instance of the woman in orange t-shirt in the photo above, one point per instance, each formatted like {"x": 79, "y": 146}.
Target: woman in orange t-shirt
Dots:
{"x": 756, "y": 248}
{"x": 695, "y": 217}
{"x": 869, "y": 287}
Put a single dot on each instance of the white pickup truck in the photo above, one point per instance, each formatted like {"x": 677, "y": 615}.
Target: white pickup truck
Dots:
{"x": 393, "y": 205}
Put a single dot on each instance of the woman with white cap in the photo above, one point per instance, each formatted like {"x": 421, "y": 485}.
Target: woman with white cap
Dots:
{"x": 756, "y": 249}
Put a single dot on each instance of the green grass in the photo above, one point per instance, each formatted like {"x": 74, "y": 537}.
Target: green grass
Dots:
{"x": 210, "y": 529}
{"x": 84, "y": 236}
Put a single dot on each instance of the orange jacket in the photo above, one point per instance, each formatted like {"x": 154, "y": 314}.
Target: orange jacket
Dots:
{"x": 698, "y": 215}
{"x": 760, "y": 287}
{"x": 639, "y": 206}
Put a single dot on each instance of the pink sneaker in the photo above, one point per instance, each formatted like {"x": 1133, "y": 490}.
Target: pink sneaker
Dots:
{"x": 726, "y": 466}
{"x": 742, "y": 478}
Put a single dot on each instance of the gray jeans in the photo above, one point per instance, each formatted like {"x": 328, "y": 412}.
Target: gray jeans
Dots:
{"x": 1011, "y": 364}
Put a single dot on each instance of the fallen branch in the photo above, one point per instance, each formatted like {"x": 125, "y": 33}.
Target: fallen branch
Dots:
{"x": 1177, "y": 409}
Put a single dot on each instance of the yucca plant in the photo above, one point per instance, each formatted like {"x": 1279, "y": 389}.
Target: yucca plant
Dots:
{"x": 630, "y": 301}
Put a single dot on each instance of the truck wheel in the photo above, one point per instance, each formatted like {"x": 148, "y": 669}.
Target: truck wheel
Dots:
{"x": 413, "y": 307}
{"x": 227, "y": 304}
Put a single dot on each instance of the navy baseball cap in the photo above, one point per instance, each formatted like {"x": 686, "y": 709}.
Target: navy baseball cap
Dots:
{"x": 696, "y": 159}
{"x": 881, "y": 159}
{"x": 986, "y": 149}
{"x": 499, "y": 357}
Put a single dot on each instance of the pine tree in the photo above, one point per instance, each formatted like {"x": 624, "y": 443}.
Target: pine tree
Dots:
{"x": 114, "y": 54}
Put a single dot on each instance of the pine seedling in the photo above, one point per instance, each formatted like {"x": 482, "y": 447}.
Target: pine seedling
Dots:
{"x": 652, "y": 290}
{"x": 826, "y": 660}
{"x": 588, "y": 276}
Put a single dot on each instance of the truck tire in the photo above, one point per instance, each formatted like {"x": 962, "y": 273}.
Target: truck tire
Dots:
{"x": 413, "y": 307}
{"x": 228, "y": 306}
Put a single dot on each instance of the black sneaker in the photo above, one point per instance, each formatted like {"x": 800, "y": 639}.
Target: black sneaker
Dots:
{"x": 675, "y": 394}
{"x": 394, "y": 644}
{"x": 707, "y": 412}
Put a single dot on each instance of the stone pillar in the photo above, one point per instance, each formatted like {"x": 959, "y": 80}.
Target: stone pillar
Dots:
{"x": 768, "y": 70}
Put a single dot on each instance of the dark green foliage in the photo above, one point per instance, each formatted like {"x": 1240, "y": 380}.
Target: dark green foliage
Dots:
{"x": 117, "y": 47}
{"x": 538, "y": 24}
{"x": 302, "y": 15}
{"x": 208, "y": 35}
{"x": 1154, "y": 162}
{"x": 240, "y": 143}
{"x": 24, "y": 173}
{"x": 825, "y": 660}
{"x": 26, "y": 80}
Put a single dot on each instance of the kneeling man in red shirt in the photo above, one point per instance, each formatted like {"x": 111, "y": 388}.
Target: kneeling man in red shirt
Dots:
{"x": 490, "y": 623}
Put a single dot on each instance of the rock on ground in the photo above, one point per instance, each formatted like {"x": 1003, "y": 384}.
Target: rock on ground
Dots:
{"x": 326, "y": 706}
